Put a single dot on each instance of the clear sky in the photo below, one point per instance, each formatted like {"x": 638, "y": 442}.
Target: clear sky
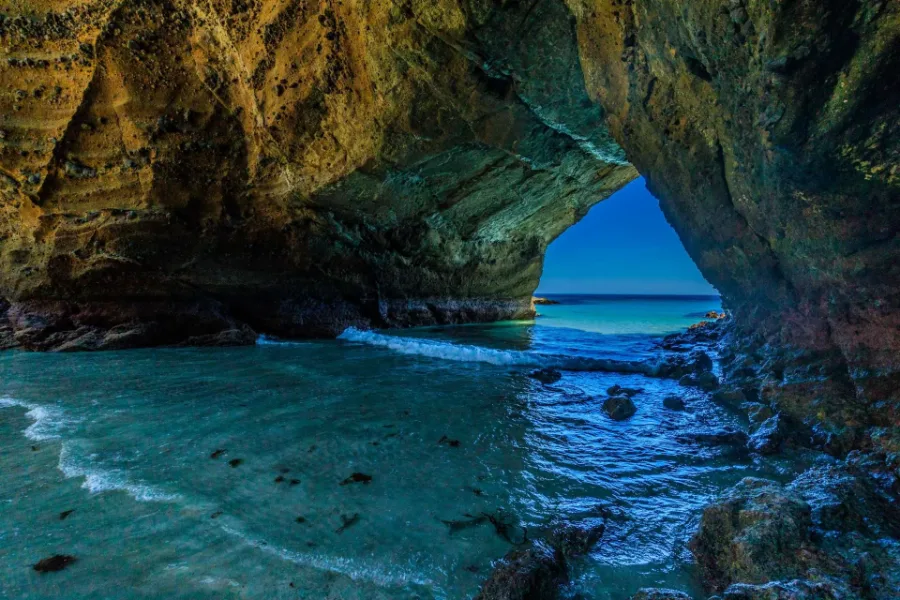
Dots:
{"x": 623, "y": 246}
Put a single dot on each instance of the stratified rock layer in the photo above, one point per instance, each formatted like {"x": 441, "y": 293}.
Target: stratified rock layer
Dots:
{"x": 297, "y": 166}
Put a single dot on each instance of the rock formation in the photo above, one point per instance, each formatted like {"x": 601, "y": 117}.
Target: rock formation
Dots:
{"x": 296, "y": 167}
{"x": 177, "y": 172}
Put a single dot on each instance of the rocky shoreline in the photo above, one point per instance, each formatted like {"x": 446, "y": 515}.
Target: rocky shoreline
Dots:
{"x": 113, "y": 325}
{"x": 833, "y": 533}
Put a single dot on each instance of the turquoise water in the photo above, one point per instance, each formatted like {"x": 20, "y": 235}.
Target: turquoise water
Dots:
{"x": 126, "y": 441}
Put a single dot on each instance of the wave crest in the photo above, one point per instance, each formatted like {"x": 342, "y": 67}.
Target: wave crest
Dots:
{"x": 468, "y": 353}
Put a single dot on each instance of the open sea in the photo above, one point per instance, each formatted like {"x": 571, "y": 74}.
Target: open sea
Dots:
{"x": 228, "y": 473}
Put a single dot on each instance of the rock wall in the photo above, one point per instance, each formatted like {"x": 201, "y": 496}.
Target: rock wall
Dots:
{"x": 292, "y": 166}
{"x": 297, "y": 167}
{"x": 770, "y": 131}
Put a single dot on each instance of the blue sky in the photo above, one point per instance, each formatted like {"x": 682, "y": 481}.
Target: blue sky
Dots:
{"x": 623, "y": 246}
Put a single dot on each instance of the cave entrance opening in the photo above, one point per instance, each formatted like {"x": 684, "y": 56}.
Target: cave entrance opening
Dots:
{"x": 622, "y": 270}
{"x": 624, "y": 246}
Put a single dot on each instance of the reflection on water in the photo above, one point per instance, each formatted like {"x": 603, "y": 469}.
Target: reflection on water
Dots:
{"x": 126, "y": 441}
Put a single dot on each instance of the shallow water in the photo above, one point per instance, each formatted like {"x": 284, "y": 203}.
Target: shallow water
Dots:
{"x": 125, "y": 441}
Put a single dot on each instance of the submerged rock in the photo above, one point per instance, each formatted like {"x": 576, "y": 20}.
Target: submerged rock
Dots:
{"x": 674, "y": 403}
{"x": 347, "y": 522}
{"x": 547, "y": 376}
{"x": 618, "y": 390}
{"x": 574, "y": 539}
{"x": 356, "y": 478}
{"x": 726, "y": 437}
{"x": 57, "y": 562}
{"x": 619, "y": 408}
{"x": 705, "y": 381}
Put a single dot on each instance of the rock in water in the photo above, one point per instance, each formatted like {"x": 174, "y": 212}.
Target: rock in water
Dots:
{"x": 535, "y": 573}
{"x": 57, "y": 562}
{"x": 619, "y": 408}
{"x": 756, "y": 533}
{"x": 618, "y": 390}
{"x": 544, "y": 301}
{"x": 357, "y": 478}
{"x": 546, "y": 376}
{"x": 574, "y": 539}
{"x": 673, "y": 403}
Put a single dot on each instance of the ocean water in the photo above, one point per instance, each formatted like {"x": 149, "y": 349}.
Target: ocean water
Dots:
{"x": 227, "y": 473}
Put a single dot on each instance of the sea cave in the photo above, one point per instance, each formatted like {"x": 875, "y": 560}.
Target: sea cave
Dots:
{"x": 267, "y": 300}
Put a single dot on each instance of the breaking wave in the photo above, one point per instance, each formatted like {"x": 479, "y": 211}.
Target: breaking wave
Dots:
{"x": 49, "y": 422}
{"x": 467, "y": 353}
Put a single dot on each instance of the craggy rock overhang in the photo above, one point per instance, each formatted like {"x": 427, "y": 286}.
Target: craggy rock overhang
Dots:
{"x": 196, "y": 172}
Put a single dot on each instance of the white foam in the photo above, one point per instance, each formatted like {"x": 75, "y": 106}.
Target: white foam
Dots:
{"x": 98, "y": 479}
{"x": 354, "y": 569}
{"x": 467, "y": 353}
{"x": 264, "y": 340}
{"x": 49, "y": 423}
{"x": 48, "y": 420}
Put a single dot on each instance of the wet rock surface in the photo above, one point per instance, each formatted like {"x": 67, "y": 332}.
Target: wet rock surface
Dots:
{"x": 541, "y": 570}
{"x": 826, "y": 535}
{"x": 619, "y": 408}
{"x": 535, "y": 573}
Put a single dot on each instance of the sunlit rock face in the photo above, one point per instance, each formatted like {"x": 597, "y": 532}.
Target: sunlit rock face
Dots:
{"x": 295, "y": 166}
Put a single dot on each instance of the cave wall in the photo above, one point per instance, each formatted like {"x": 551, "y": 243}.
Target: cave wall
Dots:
{"x": 295, "y": 166}
{"x": 302, "y": 166}
{"x": 770, "y": 132}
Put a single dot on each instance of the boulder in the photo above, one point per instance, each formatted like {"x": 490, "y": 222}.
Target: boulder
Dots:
{"x": 679, "y": 365}
{"x": 534, "y": 573}
{"x": 546, "y": 376}
{"x": 797, "y": 589}
{"x": 706, "y": 381}
{"x": 618, "y": 390}
{"x": 619, "y": 408}
{"x": 756, "y": 533}
{"x": 769, "y": 436}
